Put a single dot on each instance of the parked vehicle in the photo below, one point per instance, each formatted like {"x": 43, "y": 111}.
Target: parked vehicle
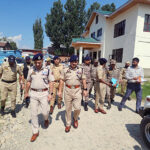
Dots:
{"x": 145, "y": 123}
{"x": 5, "y": 53}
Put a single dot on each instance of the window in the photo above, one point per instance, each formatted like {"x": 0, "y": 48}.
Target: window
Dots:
{"x": 93, "y": 35}
{"x": 96, "y": 19}
{"x": 147, "y": 23}
{"x": 117, "y": 54}
{"x": 119, "y": 29}
{"x": 99, "y": 32}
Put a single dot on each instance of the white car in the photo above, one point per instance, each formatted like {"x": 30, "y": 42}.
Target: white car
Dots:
{"x": 145, "y": 123}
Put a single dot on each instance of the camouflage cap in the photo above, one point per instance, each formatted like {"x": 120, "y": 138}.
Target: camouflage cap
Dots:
{"x": 95, "y": 60}
{"x": 127, "y": 62}
{"x": 113, "y": 62}
{"x": 48, "y": 59}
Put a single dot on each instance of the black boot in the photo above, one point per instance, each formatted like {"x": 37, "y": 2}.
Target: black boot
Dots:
{"x": 109, "y": 105}
{"x": 13, "y": 113}
{"x": 112, "y": 101}
{"x": 82, "y": 102}
{"x": 27, "y": 101}
{"x": 2, "y": 111}
{"x": 85, "y": 106}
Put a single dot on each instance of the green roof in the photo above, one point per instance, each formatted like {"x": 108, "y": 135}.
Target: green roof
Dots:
{"x": 103, "y": 12}
{"x": 90, "y": 40}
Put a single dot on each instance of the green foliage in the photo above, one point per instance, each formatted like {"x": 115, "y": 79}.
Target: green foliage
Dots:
{"x": 54, "y": 24}
{"x": 94, "y": 6}
{"x": 13, "y": 45}
{"x": 38, "y": 34}
{"x": 109, "y": 7}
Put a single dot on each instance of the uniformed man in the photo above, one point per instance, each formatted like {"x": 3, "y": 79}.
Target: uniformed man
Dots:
{"x": 73, "y": 78}
{"x": 87, "y": 70}
{"x": 40, "y": 82}
{"x": 48, "y": 63}
{"x": 124, "y": 80}
{"x": 56, "y": 69}
{"x": 25, "y": 69}
{"x": 93, "y": 77}
{"x": 8, "y": 75}
{"x": 113, "y": 72}
{"x": 101, "y": 83}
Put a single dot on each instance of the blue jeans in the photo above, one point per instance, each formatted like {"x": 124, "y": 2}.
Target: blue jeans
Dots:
{"x": 138, "y": 91}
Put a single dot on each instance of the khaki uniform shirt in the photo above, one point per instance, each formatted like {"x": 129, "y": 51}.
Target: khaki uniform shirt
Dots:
{"x": 123, "y": 73}
{"x": 9, "y": 73}
{"x": 101, "y": 73}
{"x": 113, "y": 73}
{"x": 40, "y": 78}
{"x": 57, "y": 71}
{"x": 87, "y": 70}
{"x": 72, "y": 76}
{"x": 93, "y": 73}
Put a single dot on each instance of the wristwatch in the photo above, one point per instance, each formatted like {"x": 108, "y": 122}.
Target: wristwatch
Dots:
{"x": 85, "y": 89}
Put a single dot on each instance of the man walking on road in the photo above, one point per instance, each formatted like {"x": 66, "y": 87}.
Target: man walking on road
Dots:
{"x": 56, "y": 69}
{"x": 87, "y": 70}
{"x": 134, "y": 75}
{"x": 73, "y": 78}
{"x": 40, "y": 82}
{"x": 8, "y": 75}
{"x": 101, "y": 83}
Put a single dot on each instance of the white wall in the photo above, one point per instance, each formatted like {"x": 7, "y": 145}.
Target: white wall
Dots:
{"x": 127, "y": 41}
{"x": 142, "y": 43}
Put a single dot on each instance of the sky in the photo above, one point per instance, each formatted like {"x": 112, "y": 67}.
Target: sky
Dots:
{"x": 18, "y": 16}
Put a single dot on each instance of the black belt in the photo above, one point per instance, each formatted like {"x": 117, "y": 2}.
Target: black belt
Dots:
{"x": 9, "y": 81}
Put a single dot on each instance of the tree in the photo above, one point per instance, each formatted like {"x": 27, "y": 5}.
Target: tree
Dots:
{"x": 109, "y": 7}
{"x": 54, "y": 24}
{"x": 38, "y": 34}
{"x": 80, "y": 16}
{"x": 94, "y": 6}
{"x": 69, "y": 22}
{"x": 13, "y": 45}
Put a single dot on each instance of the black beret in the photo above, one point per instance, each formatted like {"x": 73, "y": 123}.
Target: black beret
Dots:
{"x": 38, "y": 56}
{"x": 87, "y": 58}
{"x": 102, "y": 61}
{"x": 73, "y": 58}
{"x": 11, "y": 58}
{"x": 56, "y": 57}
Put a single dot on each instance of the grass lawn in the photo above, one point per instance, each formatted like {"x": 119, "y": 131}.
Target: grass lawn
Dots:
{"x": 145, "y": 90}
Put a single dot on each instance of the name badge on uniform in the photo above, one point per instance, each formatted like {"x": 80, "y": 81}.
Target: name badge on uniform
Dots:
{"x": 6, "y": 68}
{"x": 33, "y": 73}
{"x": 45, "y": 73}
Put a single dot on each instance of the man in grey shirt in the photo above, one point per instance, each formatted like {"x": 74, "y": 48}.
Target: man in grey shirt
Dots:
{"x": 134, "y": 75}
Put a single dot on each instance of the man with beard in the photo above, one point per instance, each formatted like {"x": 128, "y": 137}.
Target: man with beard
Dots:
{"x": 25, "y": 69}
{"x": 8, "y": 75}
{"x": 40, "y": 83}
{"x": 124, "y": 80}
{"x": 73, "y": 78}
{"x": 134, "y": 75}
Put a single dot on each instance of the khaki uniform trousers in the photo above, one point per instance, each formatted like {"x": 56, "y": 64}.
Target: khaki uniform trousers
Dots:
{"x": 38, "y": 99}
{"x": 110, "y": 93}
{"x": 100, "y": 95}
{"x": 55, "y": 89}
{"x": 93, "y": 84}
{"x": 72, "y": 97}
{"x": 88, "y": 89}
{"x": 8, "y": 88}
{"x": 123, "y": 86}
